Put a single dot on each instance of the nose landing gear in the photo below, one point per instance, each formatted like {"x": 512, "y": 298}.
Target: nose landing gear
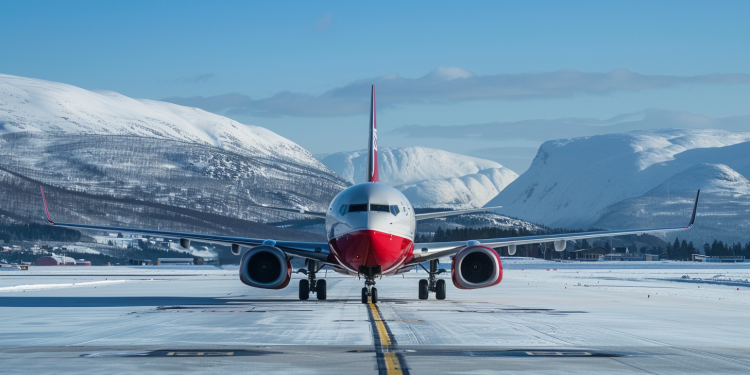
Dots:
{"x": 432, "y": 284}
{"x": 369, "y": 291}
{"x": 311, "y": 284}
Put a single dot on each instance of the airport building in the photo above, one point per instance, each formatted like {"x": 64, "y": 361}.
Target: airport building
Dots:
{"x": 718, "y": 259}
{"x": 175, "y": 262}
{"x": 60, "y": 260}
{"x": 140, "y": 262}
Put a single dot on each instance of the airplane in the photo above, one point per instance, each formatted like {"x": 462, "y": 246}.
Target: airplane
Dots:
{"x": 370, "y": 229}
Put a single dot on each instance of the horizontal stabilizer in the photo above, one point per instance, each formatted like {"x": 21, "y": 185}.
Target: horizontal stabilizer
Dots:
{"x": 300, "y": 211}
{"x": 433, "y": 215}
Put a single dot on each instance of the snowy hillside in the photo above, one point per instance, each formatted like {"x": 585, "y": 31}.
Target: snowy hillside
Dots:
{"x": 469, "y": 191}
{"x": 33, "y": 105}
{"x": 146, "y": 162}
{"x": 428, "y": 177}
{"x": 724, "y": 209}
{"x": 637, "y": 179}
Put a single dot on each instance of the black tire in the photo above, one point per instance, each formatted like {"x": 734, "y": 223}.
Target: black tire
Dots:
{"x": 423, "y": 289}
{"x": 320, "y": 289}
{"x": 440, "y": 289}
{"x": 374, "y": 295}
{"x": 304, "y": 289}
{"x": 364, "y": 295}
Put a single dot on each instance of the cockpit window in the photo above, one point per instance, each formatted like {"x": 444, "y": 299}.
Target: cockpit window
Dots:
{"x": 342, "y": 210}
{"x": 380, "y": 208}
{"x": 394, "y": 210}
{"x": 358, "y": 207}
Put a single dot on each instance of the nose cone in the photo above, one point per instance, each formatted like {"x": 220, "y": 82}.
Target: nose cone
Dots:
{"x": 371, "y": 248}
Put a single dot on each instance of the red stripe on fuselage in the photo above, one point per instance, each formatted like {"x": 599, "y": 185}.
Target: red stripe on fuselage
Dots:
{"x": 371, "y": 248}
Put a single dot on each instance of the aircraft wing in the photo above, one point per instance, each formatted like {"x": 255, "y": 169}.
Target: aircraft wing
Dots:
{"x": 433, "y": 250}
{"x": 300, "y": 211}
{"x": 433, "y": 215}
{"x": 312, "y": 250}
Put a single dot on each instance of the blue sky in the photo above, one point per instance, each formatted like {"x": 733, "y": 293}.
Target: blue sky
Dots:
{"x": 301, "y": 68}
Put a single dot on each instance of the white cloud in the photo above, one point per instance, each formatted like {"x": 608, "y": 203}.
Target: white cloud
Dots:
{"x": 540, "y": 130}
{"x": 450, "y": 84}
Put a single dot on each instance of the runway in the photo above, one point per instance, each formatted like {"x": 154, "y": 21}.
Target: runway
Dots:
{"x": 573, "y": 318}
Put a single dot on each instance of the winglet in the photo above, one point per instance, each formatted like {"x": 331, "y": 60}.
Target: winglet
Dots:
{"x": 46, "y": 210}
{"x": 695, "y": 208}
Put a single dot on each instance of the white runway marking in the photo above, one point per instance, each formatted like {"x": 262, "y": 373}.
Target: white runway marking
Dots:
{"x": 34, "y": 287}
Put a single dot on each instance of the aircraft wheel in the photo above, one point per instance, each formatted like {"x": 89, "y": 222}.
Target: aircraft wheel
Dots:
{"x": 440, "y": 289}
{"x": 320, "y": 289}
{"x": 364, "y": 295}
{"x": 304, "y": 289}
{"x": 423, "y": 289}
{"x": 374, "y": 295}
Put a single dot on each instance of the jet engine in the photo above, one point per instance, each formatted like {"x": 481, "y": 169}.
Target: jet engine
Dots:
{"x": 476, "y": 267}
{"x": 265, "y": 267}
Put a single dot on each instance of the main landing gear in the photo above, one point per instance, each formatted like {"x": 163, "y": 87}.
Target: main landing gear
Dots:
{"x": 311, "y": 284}
{"x": 432, "y": 284}
{"x": 369, "y": 290}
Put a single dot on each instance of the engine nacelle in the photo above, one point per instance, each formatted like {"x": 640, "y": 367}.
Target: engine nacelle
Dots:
{"x": 476, "y": 267}
{"x": 265, "y": 267}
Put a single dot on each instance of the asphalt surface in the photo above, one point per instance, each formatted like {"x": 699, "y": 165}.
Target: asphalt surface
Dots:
{"x": 203, "y": 320}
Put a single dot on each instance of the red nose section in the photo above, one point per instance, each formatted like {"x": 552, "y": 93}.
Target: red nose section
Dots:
{"x": 371, "y": 248}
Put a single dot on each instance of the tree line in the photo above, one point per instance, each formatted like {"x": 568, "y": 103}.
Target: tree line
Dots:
{"x": 40, "y": 232}
{"x": 677, "y": 250}
{"x": 683, "y": 250}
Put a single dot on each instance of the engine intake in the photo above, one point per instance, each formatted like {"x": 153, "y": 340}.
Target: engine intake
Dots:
{"x": 265, "y": 267}
{"x": 476, "y": 267}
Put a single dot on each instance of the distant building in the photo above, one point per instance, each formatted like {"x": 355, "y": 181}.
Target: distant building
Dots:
{"x": 592, "y": 254}
{"x": 718, "y": 259}
{"x": 59, "y": 260}
{"x": 207, "y": 261}
{"x": 140, "y": 262}
{"x": 175, "y": 261}
{"x": 599, "y": 253}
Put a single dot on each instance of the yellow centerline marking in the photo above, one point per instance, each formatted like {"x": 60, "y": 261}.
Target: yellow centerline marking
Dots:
{"x": 392, "y": 362}
{"x": 385, "y": 340}
{"x": 392, "y": 365}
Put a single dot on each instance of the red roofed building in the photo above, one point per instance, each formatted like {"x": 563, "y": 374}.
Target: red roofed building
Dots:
{"x": 59, "y": 260}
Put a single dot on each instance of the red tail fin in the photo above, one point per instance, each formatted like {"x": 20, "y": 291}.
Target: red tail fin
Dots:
{"x": 372, "y": 156}
{"x": 46, "y": 210}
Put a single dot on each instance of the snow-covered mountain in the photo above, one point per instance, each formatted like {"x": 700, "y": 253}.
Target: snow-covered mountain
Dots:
{"x": 428, "y": 177}
{"x": 724, "y": 209}
{"x": 638, "y": 179}
{"x": 146, "y": 162}
{"x": 33, "y": 105}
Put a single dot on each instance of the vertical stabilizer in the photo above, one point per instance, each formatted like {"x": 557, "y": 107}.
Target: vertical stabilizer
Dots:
{"x": 372, "y": 156}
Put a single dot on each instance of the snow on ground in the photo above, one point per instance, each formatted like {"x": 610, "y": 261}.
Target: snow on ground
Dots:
{"x": 727, "y": 282}
{"x": 35, "y": 287}
{"x": 593, "y": 318}
{"x": 81, "y": 249}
